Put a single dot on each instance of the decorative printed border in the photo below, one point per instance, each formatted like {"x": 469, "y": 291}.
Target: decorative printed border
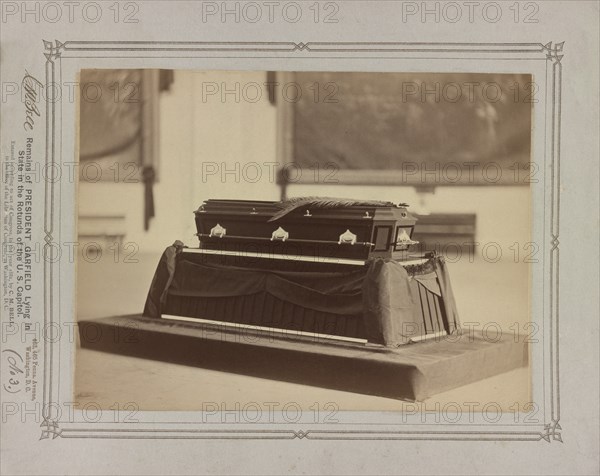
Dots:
{"x": 57, "y": 50}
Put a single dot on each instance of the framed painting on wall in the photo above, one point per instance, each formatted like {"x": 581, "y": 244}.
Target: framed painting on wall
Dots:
{"x": 422, "y": 129}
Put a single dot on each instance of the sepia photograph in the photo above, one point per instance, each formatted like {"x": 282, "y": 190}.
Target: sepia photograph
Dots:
{"x": 360, "y": 238}
{"x": 303, "y": 237}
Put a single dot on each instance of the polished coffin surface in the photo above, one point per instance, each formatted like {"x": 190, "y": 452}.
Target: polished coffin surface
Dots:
{"x": 319, "y": 228}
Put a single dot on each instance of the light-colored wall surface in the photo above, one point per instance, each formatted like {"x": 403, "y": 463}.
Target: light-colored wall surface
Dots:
{"x": 200, "y": 137}
{"x": 224, "y": 146}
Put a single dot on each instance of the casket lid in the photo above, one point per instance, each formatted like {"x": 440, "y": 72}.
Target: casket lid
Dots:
{"x": 288, "y": 206}
{"x": 277, "y": 210}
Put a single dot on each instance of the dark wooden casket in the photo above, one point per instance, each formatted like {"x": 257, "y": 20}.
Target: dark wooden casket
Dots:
{"x": 317, "y": 227}
{"x": 335, "y": 268}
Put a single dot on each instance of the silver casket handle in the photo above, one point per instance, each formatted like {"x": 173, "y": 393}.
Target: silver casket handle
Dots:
{"x": 404, "y": 239}
{"x": 347, "y": 238}
{"x": 279, "y": 235}
{"x": 217, "y": 231}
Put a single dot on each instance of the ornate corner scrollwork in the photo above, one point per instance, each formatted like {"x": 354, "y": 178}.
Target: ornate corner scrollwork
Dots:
{"x": 552, "y": 429}
{"x": 301, "y": 434}
{"x": 554, "y": 242}
{"x": 553, "y": 52}
{"x": 50, "y": 427}
{"x": 53, "y": 50}
{"x": 301, "y": 46}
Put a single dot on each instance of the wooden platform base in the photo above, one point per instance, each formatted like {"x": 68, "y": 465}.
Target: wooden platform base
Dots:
{"x": 412, "y": 372}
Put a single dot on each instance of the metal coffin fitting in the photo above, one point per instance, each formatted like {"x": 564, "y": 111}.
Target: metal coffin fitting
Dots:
{"x": 344, "y": 232}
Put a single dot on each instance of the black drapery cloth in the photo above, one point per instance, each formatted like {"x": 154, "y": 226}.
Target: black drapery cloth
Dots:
{"x": 389, "y": 297}
{"x": 148, "y": 176}
{"x": 163, "y": 276}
